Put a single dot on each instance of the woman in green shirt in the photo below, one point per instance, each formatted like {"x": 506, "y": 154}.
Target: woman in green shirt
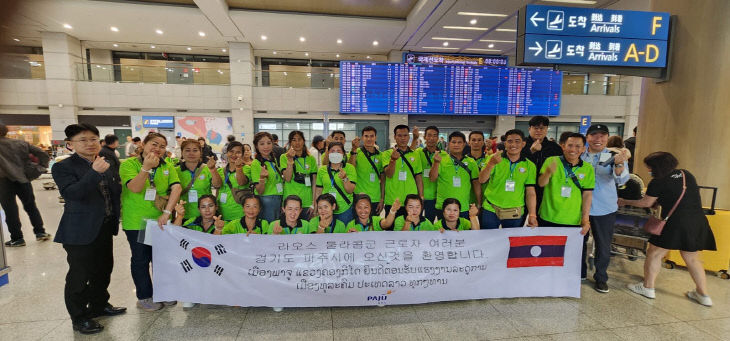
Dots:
{"x": 299, "y": 172}
{"x": 145, "y": 179}
{"x": 266, "y": 176}
{"x": 452, "y": 221}
{"x": 207, "y": 222}
{"x": 290, "y": 222}
{"x": 203, "y": 177}
{"x": 235, "y": 175}
{"x": 250, "y": 223}
{"x": 413, "y": 220}
{"x": 364, "y": 221}
{"x": 338, "y": 179}
{"x": 325, "y": 221}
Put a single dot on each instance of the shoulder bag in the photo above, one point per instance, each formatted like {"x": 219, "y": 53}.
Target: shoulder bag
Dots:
{"x": 655, "y": 224}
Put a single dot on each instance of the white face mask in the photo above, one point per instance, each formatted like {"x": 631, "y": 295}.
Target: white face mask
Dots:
{"x": 336, "y": 157}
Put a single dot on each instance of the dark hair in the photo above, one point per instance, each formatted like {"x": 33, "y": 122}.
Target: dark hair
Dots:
{"x": 332, "y": 134}
{"x": 615, "y": 142}
{"x": 476, "y": 132}
{"x": 136, "y": 139}
{"x": 514, "y": 132}
{"x": 291, "y": 198}
{"x": 232, "y": 145}
{"x": 258, "y": 137}
{"x": 432, "y": 128}
{"x": 3, "y": 130}
{"x": 412, "y": 197}
{"x": 539, "y": 120}
{"x": 208, "y": 196}
{"x": 369, "y": 128}
{"x": 335, "y": 144}
{"x": 449, "y": 201}
{"x": 457, "y": 134}
{"x": 503, "y": 138}
{"x": 201, "y": 138}
{"x": 110, "y": 139}
{"x": 274, "y": 138}
{"x": 566, "y": 135}
{"x": 301, "y": 134}
{"x": 186, "y": 143}
{"x": 635, "y": 129}
{"x": 361, "y": 196}
{"x": 399, "y": 127}
{"x": 75, "y": 129}
{"x": 661, "y": 164}
{"x": 151, "y": 135}
{"x": 317, "y": 139}
{"x": 328, "y": 198}
{"x": 251, "y": 196}
{"x": 231, "y": 138}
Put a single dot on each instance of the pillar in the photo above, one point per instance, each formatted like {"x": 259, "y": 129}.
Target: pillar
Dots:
{"x": 633, "y": 100}
{"x": 688, "y": 114}
{"x": 502, "y": 124}
{"x": 62, "y": 57}
{"x": 242, "y": 66}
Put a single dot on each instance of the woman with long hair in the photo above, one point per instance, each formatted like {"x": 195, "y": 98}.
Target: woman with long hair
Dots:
{"x": 337, "y": 178}
{"x": 266, "y": 176}
{"x": 299, "y": 170}
{"x": 197, "y": 176}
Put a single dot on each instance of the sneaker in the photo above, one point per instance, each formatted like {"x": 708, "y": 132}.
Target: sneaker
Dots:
{"x": 701, "y": 299}
{"x": 278, "y": 309}
{"x": 147, "y": 305}
{"x": 41, "y": 237}
{"x": 170, "y": 303}
{"x": 639, "y": 288}
{"x": 15, "y": 243}
{"x": 188, "y": 305}
{"x": 601, "y": 287}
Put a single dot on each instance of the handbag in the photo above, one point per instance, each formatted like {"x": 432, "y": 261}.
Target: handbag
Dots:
{"x": 507, "y": 213}
{"x": 654, "y": 225}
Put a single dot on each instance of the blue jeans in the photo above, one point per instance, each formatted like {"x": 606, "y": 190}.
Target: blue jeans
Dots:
{"x": 346, "y": 216}
{"x": 141, "y": 261}
{"x": 429, "y": 209}
{"x": 270, "y": 207}
{"x": 489, "y": 221}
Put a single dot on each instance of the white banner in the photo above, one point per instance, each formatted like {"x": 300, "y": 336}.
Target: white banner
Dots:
{"x": 367, "y": 268}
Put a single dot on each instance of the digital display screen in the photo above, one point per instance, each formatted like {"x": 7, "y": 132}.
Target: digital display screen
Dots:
{"x": 367, "y": 87}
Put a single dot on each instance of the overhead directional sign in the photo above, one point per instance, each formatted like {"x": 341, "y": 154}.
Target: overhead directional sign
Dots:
{"x": 548, "y": 49}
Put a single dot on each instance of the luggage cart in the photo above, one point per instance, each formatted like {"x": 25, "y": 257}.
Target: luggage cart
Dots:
{"x": 629, "y": 238}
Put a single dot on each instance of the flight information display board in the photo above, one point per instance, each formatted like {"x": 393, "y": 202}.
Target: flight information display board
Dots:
{"x": 385, "y": 88}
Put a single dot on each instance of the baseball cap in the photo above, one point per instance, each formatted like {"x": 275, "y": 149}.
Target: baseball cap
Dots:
{"x": 597, "y": 128}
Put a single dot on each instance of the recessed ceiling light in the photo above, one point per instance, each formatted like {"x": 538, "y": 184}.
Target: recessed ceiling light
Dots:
{"x": 158, "y": 31}
{"x": 338, "y": 55}
{"x": 114, "y": 29}
{"x": 481, "y": 14}
{"x": 339, "y": 41}
{"x": 274, "y": 52}
{"x": 483, "y": 50}
{"x": 440, "y": 48}
{"x": 223, "y": 50}
{"x": 490, "y": 46}
{"x": 375, "y": 43}
{"x": 201, "y": 33}
{"x": 580, "y": 2}
{"x": 116, "y": 45}
{"x": 190, "y": 48}
{"x": 454, "y": 39}
{"x": 306, "y": 54}
{"x": 473, "y": 21}
{"x": 302, "y": 39}
{"x": 506, "y": 30}
{"x": 368, "y": 57}
{"x": 263, "y": 37}
{"x": 497, "y": 41}
{"x": 446, "y": 43}
{"x": 465, "y": 28}
{"x": 152, "y": 46}
{"x": 16, "y": 39}
{"x": 67, "y": 26}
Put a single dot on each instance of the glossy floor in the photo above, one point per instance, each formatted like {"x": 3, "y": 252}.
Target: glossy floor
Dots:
{"x": 32, "y": 308}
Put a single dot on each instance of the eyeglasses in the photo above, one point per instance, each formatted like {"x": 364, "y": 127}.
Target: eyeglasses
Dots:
{"x": 91, "y": 141}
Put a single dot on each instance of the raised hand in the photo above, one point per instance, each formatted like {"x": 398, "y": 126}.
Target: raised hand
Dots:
{"x": 211, "y": 163}
{"x": 218, "y": 222}
{"x": 277, "y": 229}
{"x": 437, "y": 157}
{"x": 180, "y": 208}
{"x": 473, "y": 210}
{"x": 536, "y": 146}
{"x": 342, "y": 173}
{"x": 355, "y": 143}
{"x": 264, "y": 173}
{"x": 495, "y": 160}
{"x": 290, "y": 155}
{"x": 395, "y": 207}
{"x": 552, "y": 167}
{"x": 416, "y": 133}
{"x": 395, "y": 155}
{"x": 100, "y": 165}
{"x": 150, "y": 161}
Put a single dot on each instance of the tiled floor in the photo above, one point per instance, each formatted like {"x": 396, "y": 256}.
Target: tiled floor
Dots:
{"x": 32, "y": 308}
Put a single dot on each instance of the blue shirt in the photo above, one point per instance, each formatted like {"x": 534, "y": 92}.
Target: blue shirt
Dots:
{"x": 605, "y": 194}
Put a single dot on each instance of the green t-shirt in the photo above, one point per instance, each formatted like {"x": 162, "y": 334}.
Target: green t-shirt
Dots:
{"x": 325, "y": 181}
{"x": 274, "y": 183}
{"x": 522, "y": 173}
{"x": 336, "y": 225}
{"x": 355, "y": 224}
{"x": 429, "y": 187}
{"x": 196, "y": 223}
{"x": 402, "y": 182}
{"x": 481, "y": 163}
{"x": 423, "y": 225}
{"x": 565, "y": 210}
{"x": 201, "y": 186}
{"x": 306, "y": 166}
{"x": 464, "y": 224}
{"x": 236, "y": 226}
{"x": 301, "y": 228}
{"x": 455, "y": 181}
{"x": 135, "y": 209}
{"x": 368, "y": 178}
{"x": 227, "y": 205}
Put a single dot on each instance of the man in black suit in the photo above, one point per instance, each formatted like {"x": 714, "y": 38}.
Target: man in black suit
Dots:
{"x": 108, "y": 151}
{"x": 90, "y": 219}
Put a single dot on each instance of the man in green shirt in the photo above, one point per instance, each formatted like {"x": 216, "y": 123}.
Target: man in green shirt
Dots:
{"x": 426, "y": 154}
{"x": 457, "y": 176}
{"x": 369, "y": 168}
{"x": 402, "y": 169}
{"x": 510, "y": 183}
{"x": 477, "y": 152}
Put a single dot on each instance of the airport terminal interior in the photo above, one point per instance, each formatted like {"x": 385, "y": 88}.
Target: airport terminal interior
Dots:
{"x": 638, "y": 71}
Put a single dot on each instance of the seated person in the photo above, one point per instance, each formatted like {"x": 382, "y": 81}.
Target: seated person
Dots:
{"x": 250, "y": 222}
{"x": 364, "y": 222}
{"x": 452, "y": 221}
{"x": 207, "y": 222}
{"x": 325, "y": 221}
{"x": 413, "y": 220}
{"x": 290, "y": 222}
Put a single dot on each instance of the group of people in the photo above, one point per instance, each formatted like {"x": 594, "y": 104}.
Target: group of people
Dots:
{"x": 532, "y": 182}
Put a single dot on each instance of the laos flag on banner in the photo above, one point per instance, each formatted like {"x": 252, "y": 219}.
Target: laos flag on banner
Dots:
{"x": 536, "y": 251}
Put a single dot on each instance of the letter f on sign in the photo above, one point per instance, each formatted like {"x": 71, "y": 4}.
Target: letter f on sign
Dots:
{"x": 655, "y": 23}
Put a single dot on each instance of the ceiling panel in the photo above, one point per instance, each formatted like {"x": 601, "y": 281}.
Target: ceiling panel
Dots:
{"x": 366, "y": 8}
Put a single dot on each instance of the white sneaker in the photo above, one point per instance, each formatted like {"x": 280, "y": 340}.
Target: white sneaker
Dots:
{"x": 641, "y": 290}
{"x": 701, "y": 299}
{"x": 278, "y": 309}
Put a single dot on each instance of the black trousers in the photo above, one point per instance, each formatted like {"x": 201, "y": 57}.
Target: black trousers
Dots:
{"x": 89, "y": 272}
{"x": 602, "y": 231}
{"x": 8, "y": 191}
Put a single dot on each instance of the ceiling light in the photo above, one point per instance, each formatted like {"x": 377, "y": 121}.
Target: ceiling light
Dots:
{"x": 158, "y": 31}
{"x": 339, "y": 41}
{"x": 506, "y": 30}
{"x": 483, "y": 50}
{"x": 473, "y": 21}
{"x": 439, "y": 48}
{"x": 454, "y": 39}
{"x": 302, "y": 39}
{"x": 67, "y": 26}
{"x": 375, "y": 43}
{"x": 481, "y": 14}
{"x": 465, "y": 28}
{"x": 16, "y": 39}
{"x": 274, "y": 52}
{"x": 152, "y": 46}
{"x": 580, "y": 2}
{"x": 263, "y": 37}
{"x": 368, "y": 57}
{"x": 446, "y": 43}
{"x": 116, "y": 45}
{"x": 306, "y": 54}
{"x": 497, "y": 41}
{"x": 201, "y": 33}
{"x": 223, "y": 50}
{"x": 190, "y": 48}
{"x": 114, "y": 29}
{"x": 338, "y": 55}
{"x": 490, "y": 46}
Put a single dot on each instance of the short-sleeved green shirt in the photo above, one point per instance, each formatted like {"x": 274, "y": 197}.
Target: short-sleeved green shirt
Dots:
{"x": 368, "y": 177}
{"x": 374, "y": 225}
{"x": 565, "y": 210}
{"x": 327, "y": 182}
{"x": 481, "y": 163}
{"x": 306, "y": 166}
{"x": 302, "y": 227}
{"x": 237, "y": 226}
{"x": 429, "y": 187}
{"x": 135, "y": 210}
{"x": 423, "y": 225}
{"x": 227, "y": 205}
{"x": 452, "y": 174}
{"x": 201, "y": 186}
{"x": 398, "y": 186}
{"x": 274, "y": 183}
{"x": 522, "y": 173}
{"x": 464, "y": 224}
{"x": 335, "y": 225}
{"x": 196, "y": 223}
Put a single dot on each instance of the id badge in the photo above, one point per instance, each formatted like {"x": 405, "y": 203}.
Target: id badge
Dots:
{"x": 192, "y": 195}
{"x": 402, "y": 176}
{"x": 308, "y": 181}
{"x": 149, "y": 194}
{"x": 509, "y": 186}
{"x": 372, "y": 177}
{"x": 279, "y": 187}
{"x": 565, "y": 191}
{"x": 224, "y": 198}
{"x": 456, "y": 181}
{"x": 334, "y": 195}
{"x": 426, "y": 172}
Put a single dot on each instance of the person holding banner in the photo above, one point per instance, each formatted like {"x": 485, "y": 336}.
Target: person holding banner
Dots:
{"x": 364, "y": 221}
{"x": 291, "y": 221}
{"x": 452, "y": 219}
{"x": 208, "y": 220}
{"x": 266, "y": 176}
{"x": 403, "y": 170}
{"x": 413, "y": 220}
{"x": 336, "y": 178}
{"x": 369, "y": 168}
{"x": 195, "y": 178}
{"x": 325, "y": 221}
{"x": 510, "y": 180}
{"x": 235, "y": 177}
{"x": 298, "y": 173}
{"x": 426, "y": 154}
{"x": 457, "y": 177}
{"x": 250, "y": 223}
{"x": 150, "y": 190}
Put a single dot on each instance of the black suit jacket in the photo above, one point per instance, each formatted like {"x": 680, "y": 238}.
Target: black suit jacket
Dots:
{"x": 113, "y": 160}
{"x": 84, "y": 210}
